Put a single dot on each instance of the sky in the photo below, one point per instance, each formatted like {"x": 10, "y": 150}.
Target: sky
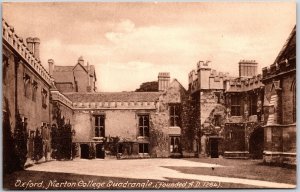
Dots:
{"x": 130, "y": 43}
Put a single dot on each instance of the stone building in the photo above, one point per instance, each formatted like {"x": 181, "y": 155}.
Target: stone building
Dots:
{"x": 78, "y": 78}
{"x": 126, "y": 124}
{"x": 229, "y": 111}
{"x": 206, "y": 89}
{"x": 25, "y": 86}
{"x": 243, "y": 127}
{"x": 280, "y": 105}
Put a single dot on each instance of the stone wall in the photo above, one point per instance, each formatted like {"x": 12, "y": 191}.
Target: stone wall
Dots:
{"x": 280, "y": 144}
{"x": 287, "y": 101}
{"x": 8, "y": 85}
{"x": 34, "y": 110}
{"x": 81, "y": 77}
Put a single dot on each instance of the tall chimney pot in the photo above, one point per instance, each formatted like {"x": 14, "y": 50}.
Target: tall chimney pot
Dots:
{"x": 29, "y": 42}
{"x": 163, "y": 81}
{"x": 51, "y": 66}
{"x": 36, "y": 46}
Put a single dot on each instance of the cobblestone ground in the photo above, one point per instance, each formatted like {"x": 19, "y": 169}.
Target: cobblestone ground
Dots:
{"x": 163, "y": 170}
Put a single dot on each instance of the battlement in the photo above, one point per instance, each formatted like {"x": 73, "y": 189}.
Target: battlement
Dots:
{"x": 57, "y": 96}
{"x": 241, "y": 84}
{"x": 276, "y": 68}
{"x": 206, "y": 78}
{"x": 203, "y": 65}
{"x": 17, "y": 43}
{"x": 114, "y": 105}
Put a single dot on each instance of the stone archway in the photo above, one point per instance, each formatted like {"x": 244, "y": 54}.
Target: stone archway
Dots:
{"x": 256, "y": 143}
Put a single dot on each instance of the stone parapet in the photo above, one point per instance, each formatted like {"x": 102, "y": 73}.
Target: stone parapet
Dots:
{"x": 57, "y": 96}
{"x": 10, "y": 37}
{"x": 114, "y": 105}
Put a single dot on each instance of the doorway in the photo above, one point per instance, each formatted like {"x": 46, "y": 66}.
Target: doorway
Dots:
{"x": 256, "y": 143}
{"x": 100, "y": 151}
{"x": 214, "y": 148}
{"x": 84, "y": 151}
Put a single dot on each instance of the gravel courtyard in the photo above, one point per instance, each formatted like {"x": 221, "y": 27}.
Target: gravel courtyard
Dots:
{"x": 166, "y": 169}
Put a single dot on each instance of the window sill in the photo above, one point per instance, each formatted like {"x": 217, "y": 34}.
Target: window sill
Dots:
{"x": 142, "y": 137}
{"x": 98, "y": 138}
{"x": 174, "y": 127}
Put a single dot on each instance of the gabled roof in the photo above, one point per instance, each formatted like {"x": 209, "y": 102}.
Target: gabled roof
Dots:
{"x": 63, "y": 74}
{"x": 288, "y": 48}
{"x": 113, "y": 96}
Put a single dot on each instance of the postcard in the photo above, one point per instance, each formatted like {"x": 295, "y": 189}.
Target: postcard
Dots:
{"x": 148, "y": 95}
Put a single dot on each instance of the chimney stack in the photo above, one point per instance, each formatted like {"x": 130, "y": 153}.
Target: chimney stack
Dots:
{"x": 51, "y": 66}
{"x": 163, "y": 81}
{"x": 36, "y": 47}
{"x": 29, "y": 42}
{"x": 247, "y": 68}
{"x": 81, "y": 60}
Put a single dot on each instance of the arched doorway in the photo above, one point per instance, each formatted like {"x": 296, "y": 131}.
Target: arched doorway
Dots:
{"x": 100, "y": 151}
{"x": 256, "y": 143}
{"x": 84, "y": 151}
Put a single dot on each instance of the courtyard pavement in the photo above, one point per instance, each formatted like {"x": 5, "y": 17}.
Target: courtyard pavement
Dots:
{"x": 154, "y": 169}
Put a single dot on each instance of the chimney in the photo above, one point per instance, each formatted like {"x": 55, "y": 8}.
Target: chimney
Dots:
{"x": 163, "y": 81}
{"x": 29, "y": 42}
{"x": 51, "y": 66}
{"x": 36, "y": 47}
{"x": 81, "y": 60}
{"x": 88, "y": 73}
{"x": 247, "y": 68}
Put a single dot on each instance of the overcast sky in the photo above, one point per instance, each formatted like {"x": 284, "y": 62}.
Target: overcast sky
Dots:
{"x": 129, "y": 43}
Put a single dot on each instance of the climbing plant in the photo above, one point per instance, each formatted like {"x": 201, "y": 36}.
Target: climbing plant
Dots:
{"x": 61, "y": 133}
{"x": 20, "y": 140}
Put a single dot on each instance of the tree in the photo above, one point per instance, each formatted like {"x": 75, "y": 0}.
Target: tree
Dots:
{"x": 38, "y": 145}
{"x": 20, "y": 139}
{"x": 151, "y": 86}
{"x": 9, "y": 152}
{"x": 61, "y": 135}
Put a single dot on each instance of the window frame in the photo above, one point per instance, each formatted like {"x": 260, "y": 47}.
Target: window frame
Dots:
{"x": 144, "y": 128}
{"x": 143, "y": 148}
{"x": 5, "y": 65}
{"x": 34, "y": 90}
{"x": 253, "y": 104}
{"x": 44, "y": 93}
{"x": 235, "y": 108}
{"x": 173, "y": 139}
{"x": 217, "y": 120}
{"x": 99, "y": 126}
{"x": 26, "y": 79}
{"x": 174, "y": 114}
